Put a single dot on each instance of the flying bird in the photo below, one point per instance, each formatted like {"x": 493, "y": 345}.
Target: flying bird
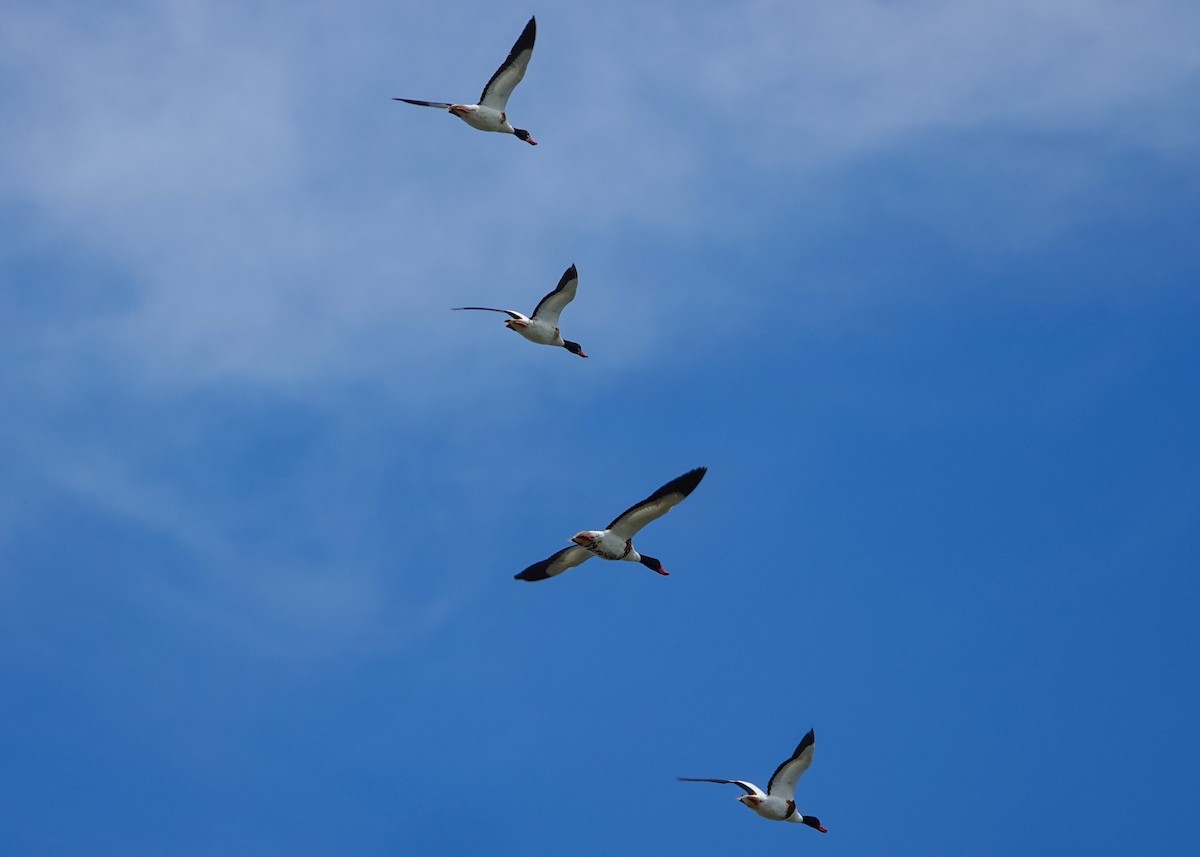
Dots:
{"x": 616, "y": 540}
{"x": 542, "y": 327}
{"x": 489, "y": 114}
{"x": 777, "y": 802}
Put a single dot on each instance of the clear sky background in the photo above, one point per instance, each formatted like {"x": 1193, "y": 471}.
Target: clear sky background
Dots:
{"x": 919, "y": 282}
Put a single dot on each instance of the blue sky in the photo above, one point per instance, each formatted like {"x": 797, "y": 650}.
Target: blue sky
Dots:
{"x": 916, "y": 281}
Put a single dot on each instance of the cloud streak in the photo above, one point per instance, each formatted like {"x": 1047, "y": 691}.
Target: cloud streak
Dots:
{"x": 259, "y": 252}
{"x": 248, "y": 214}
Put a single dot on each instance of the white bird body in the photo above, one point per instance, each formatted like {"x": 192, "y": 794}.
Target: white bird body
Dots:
{"x": 615, "y": 542}
{"x": 483, "y": 118}
{"x": 607, "y": 545}
{"x": 535, "y": 329}
{"x": 777, "y": 803}
{"x": 774, "y": 808}
{"x": 489, "y": 114}
{"x": 542, "y": 326}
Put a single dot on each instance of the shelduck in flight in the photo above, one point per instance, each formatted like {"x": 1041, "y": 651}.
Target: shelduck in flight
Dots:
{"x": 777, "y": 803}
{"x": 489, "y": 114}
{"x": 542, "y": 328}
{"x": 616, "y": 540}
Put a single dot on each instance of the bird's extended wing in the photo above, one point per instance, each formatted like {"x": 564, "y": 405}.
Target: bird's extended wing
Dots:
{"x": 506, "y": 78}
{"x": 557, "y": 564}
{"x": 511, "y": 313}
{"x": 749, "y": 788}
{"x": 657, "y": 504}
{"x": 783, "y": 781}
{"x": 551, "y": 305}
{"x": 441, "y": 104}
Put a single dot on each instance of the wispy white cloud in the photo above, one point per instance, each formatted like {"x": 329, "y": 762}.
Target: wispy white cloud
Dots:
{"x": 278, "y": 226}
{"x": 302, "y": 566}
{"x": 211, "y": 152}
{"x": 839, "y": 80}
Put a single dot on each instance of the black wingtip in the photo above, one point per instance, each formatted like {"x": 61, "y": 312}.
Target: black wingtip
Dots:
{"x": 528, "y": 35}
{"x": 535, "y": 572}
{"x": 567, "y": 276}
{"x": 686, "y": 483}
